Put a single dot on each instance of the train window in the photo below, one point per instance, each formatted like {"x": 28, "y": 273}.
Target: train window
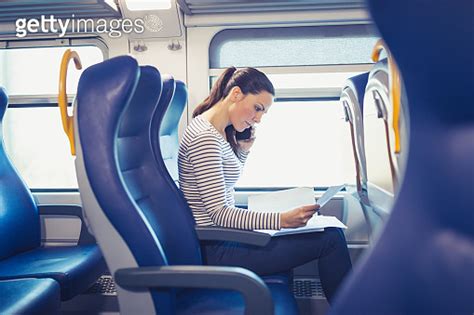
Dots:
{"x": 40, "y": 152}
{"x": 295, "y": 46}
{"x": 304, "y": 140}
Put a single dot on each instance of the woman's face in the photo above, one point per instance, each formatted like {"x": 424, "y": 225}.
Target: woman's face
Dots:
{"x": 248, "y": 110}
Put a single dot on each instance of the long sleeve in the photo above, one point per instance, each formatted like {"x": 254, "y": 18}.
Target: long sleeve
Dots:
{"x": 205, "y": 156}
{"x": 242, "y": 156}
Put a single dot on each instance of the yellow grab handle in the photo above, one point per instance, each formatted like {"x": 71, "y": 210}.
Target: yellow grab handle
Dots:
{"x": 395, "y": 93}
{"x": 68, "y": 121}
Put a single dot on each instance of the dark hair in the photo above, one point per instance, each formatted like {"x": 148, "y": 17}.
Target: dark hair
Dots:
{"x": 249, "y": 80}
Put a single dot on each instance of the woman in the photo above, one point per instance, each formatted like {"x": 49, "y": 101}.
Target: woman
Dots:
{"x": 210, "y": 163}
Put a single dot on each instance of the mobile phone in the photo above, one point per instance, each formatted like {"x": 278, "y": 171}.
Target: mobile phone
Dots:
{"x": 244, "y": 135}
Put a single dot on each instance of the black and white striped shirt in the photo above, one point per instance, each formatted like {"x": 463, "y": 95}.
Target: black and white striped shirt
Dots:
{"x": 208, "y": 171}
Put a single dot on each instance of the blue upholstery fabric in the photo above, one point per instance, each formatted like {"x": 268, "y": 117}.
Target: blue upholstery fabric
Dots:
{"x": 75, "y": 268}
{"x": 423, "y": 261}
{"x": 3, "y": 102}
{"x": 115, "y": 81}
{"x": 18, "y": 209}
{"x": 29, "y": 296}
{"x": 180, "y": 248}
{"x": 209, "y": 301}
{"x": 168, "y": 131}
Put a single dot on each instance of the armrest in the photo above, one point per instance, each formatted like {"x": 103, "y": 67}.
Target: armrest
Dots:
{"x": 70, "y": 210}
{"x": 256, "y": 294}
{"x": 232, "y": 235}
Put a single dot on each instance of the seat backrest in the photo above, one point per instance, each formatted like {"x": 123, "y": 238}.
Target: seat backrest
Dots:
{"x": 168, "y": 130}
{"x": 422, "y": 262}
{"x": 385, "y": 166}
{"x": 19, "y": 215}
{"x": 174, "y": 211}
{"x": 376, "y": 126}
{"x": 352, "y": 97}
{"x": 149, "y": 183}
{"x": 120, "y": 186}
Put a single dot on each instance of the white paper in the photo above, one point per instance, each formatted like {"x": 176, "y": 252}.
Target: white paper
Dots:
{"x": 282, "y": 200}
{"x": 328, "y": 194}
{"x": 316, "y": 224}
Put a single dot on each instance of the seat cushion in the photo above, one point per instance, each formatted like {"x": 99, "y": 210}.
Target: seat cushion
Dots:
{"x": 75, "y": 268}
{"x": 210, "y": 301}
{"x": 29, "y": 296}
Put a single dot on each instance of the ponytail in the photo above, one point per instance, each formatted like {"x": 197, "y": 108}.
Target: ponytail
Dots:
{"x": 217, "y": 92}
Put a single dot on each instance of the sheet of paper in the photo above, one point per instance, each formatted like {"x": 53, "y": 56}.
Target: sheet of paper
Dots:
{"x": 282, "y": 200}
{"x": 328, "y": 194}
{"x": 323, "y": 221}
{"x": 316, "y": 224}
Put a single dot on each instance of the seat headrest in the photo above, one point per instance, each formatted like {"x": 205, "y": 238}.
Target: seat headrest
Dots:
{"x": 173, "y": 114}
{"x": 158, "y": 120}
{"x": 113, "y": 81}
{"x": 3, "y": 102}
{"x": 357, "y": 84}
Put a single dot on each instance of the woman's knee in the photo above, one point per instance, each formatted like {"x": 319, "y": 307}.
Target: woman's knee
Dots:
{"x": 335, "y": 237}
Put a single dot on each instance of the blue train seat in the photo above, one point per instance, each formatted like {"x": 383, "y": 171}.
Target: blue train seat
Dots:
{"x": 151, "y": 249}
{"x": 423, "y": 261}
{"x": 29, "y": 296}
{"x": 75, "y": 268}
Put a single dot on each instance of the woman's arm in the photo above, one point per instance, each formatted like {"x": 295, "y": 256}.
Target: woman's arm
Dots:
{"x": 242, "y": 156}
{"x": 205, "y": 156}
{"x": 244, "y": 145}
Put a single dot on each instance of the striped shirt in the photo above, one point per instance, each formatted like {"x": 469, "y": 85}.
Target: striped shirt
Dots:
{"x": 208, "y": 171}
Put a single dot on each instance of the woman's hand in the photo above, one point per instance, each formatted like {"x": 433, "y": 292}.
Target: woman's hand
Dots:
{"x": 246, "y": 144}
{"x": 298, "y": 217}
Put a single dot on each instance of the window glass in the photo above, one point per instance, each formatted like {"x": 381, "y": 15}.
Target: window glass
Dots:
{"x": 295, "y": 46}
{"x": 296, "y": 81}
{"x": 38, "y": 147}
{"x": 35, "y": 71}
{"x": 300, "y": 143}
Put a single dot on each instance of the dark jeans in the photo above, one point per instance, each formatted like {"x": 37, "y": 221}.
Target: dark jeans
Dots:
{"x": 284, "y": 253}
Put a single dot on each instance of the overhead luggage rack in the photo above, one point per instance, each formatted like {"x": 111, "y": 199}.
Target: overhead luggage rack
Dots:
{"x": 12, "y": 10}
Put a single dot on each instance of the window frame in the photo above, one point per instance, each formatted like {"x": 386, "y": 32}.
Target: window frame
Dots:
{"x": 49, "y": 100}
